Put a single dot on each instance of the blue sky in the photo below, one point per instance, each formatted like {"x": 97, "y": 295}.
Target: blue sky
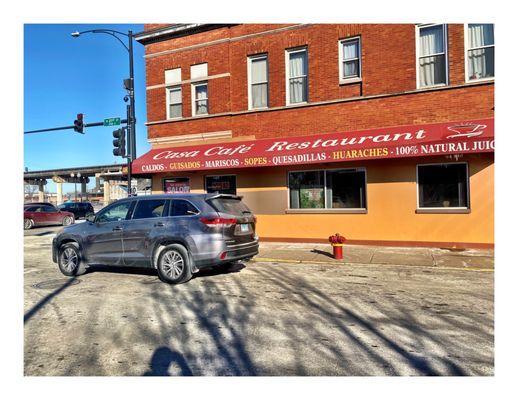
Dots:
{"x": 64, "y": 76}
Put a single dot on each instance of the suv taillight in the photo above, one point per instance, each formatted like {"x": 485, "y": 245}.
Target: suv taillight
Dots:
{"x": 224, "y": 222}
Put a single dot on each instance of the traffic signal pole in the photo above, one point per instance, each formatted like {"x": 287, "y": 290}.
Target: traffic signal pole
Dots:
{"x": 132, "y": 146}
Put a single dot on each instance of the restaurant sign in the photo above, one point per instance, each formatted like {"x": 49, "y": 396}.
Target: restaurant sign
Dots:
{"x": 471, "y": 136}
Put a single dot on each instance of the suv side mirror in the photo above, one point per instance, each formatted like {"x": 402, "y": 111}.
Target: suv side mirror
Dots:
{"x": 90, "y": 217}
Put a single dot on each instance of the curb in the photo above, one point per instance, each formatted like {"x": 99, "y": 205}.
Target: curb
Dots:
{"x": 287, "y": 261}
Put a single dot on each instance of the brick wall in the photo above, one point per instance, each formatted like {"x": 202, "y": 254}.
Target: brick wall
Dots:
{"x": 388, "y": 68}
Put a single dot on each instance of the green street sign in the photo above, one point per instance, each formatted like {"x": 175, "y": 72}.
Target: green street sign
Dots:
{"x": 112, "y": 121}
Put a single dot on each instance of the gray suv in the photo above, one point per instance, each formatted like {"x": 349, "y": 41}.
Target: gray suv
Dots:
{"x": 176, "y": 234}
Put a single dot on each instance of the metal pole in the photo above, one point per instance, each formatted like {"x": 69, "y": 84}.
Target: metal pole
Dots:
{"x": 131, "y": 133}
{"x": 128, "y": 150}
{"x": 132, "y": 98}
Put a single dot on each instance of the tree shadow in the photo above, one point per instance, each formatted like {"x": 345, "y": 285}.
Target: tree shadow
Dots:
{"x": 40, "y": 304}
{"x": 163, "y": 358}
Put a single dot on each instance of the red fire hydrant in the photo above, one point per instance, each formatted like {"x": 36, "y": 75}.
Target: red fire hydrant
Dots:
{"x": 337, "y": 241}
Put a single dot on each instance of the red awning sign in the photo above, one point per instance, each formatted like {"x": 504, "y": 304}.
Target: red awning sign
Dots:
{"x": 474, "y": 136}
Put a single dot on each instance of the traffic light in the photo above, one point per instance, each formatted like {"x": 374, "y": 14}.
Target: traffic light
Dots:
{"x": 119, "y": 143}
{"x": 78, "y": 124}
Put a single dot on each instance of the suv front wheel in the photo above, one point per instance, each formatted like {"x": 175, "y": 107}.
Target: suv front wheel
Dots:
{"x": 173, "y": 264}
{"x": 70, "y": 261}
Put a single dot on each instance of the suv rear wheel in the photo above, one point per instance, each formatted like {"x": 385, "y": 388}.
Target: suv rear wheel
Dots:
{"x": 28, "y": 223}
{"x": 173, "y": 264}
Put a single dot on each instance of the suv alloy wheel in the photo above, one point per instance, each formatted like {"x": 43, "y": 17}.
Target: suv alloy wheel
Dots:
{"x": 173, "y": 264}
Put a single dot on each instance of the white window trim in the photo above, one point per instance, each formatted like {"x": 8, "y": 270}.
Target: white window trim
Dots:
{"x": 249, "y": 77}
{"x": 287, "y": 53}
{"x": 168, "y": 101}
{"x": 356, "y": 169}
{"x": 468, "y": 199}
{"x": 417, "y": 51}
{"x": 341, "y": 60}
{"x": 466, "y": 48}
{"x": 193, "y": 98}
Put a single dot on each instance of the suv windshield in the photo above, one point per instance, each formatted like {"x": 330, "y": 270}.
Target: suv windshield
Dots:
{"x": 229, "y": 206}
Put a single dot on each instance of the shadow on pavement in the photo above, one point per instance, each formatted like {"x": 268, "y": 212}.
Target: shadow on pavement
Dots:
{"x": 40, "y": 304}
{"x": 163, "y": 358}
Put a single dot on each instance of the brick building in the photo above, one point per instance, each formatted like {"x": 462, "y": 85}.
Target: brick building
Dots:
{"x": 382, "y": 132}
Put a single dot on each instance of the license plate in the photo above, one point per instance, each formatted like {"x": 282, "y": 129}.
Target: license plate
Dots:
{"x": 245, "y": 228}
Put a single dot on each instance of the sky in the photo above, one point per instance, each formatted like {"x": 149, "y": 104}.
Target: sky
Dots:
{"x": 64, "y": 76}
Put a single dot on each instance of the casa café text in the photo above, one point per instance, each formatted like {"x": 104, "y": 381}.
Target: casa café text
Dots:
{"x": 434, "y": 139}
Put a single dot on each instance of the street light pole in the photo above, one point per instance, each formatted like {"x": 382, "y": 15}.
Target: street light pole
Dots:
{"x": 131, "y": 123}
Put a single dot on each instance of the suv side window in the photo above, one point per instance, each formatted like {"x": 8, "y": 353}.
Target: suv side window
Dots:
{"x": 149, "y": 209}
{"x": 117, "y": 212}
{"x": 48, "y": 209}
{"x": 181, "y": 208}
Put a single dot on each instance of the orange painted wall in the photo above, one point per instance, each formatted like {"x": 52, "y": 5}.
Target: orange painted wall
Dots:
{"x": 391, "y": 204}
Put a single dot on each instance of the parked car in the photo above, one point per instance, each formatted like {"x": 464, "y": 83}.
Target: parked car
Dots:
{"x": 45, "y": 214}
{"x": 176, "y": 234}
{"x": 80, "y": 209}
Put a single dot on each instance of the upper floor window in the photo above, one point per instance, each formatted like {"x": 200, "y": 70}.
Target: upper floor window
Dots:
{"x": 173, "y": 93}
{"x": 432, "y": 55}
{"x": 350, "y": 59}
{"x": 480, "y": 51}
{"x": 296, "y": 76}
{"x": 200, "y": 98}
{"x": 174, "y": 102}
{"x": 199, "y": 90}
{"x": 258, "y": 81}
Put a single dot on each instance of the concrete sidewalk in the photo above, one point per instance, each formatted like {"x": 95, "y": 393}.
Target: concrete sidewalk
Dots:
{"x": 354, "y": 254}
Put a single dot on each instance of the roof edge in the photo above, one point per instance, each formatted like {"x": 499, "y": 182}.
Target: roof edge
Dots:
{"x": 173, "y": 31}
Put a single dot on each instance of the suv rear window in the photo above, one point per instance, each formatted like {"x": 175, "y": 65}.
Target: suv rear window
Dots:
{"x": 149, "y": 209}
{"x": 229, "y": 206}
{"x": 182, "y": 207}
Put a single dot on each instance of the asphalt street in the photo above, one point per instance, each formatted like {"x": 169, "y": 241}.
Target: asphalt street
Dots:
{"x": 260, "y": 318}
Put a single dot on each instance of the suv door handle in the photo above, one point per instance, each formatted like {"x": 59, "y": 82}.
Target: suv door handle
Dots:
{"x": 159, "y": 224}
{"x": 117, "y": 228}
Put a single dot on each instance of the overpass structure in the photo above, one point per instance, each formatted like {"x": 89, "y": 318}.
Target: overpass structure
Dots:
{"x": 76, "y": 175}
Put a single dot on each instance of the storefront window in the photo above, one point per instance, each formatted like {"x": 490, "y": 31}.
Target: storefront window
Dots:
{"x": 224, "y": 184}
{"x": 345, "y": 189}
{"x": 342, "y": 188}
{"x": 177, "y": 185}
{"x": 443, "y": 185}
{"x": 306, "y": 189}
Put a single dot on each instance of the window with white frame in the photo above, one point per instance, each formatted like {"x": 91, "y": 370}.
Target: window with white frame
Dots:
{"x": 200, "y": 98}
{"x": 350, "y": 59}
{"x": 173, "y": 94}
{"x": 480, "y": 51}
{"x": 174, "y": 102}
{"x": 432, "y": 55}
{"x": 443, "y": 185}
{"x": 296, "y": 76}
{"x": 258, "y": 81}
{"x": 328, "y": 189}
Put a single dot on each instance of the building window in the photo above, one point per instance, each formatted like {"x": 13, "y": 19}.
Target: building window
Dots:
{"x": 173, "y": 93}
{"x": 480, "y": 51}
{"x": 224, "y": 184}
{"x": 174, "y": 102}
{"x": 331, "y": 189}
{"x": 432, "y": 55}
{"x": 200, "y": 98}
{"x": 177, "y": 185}
{"x": 258, "y": 82}
{"x": 349, "y": 59}
{"x": 443, "y": 185}
{"x": 297, "y": 76}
